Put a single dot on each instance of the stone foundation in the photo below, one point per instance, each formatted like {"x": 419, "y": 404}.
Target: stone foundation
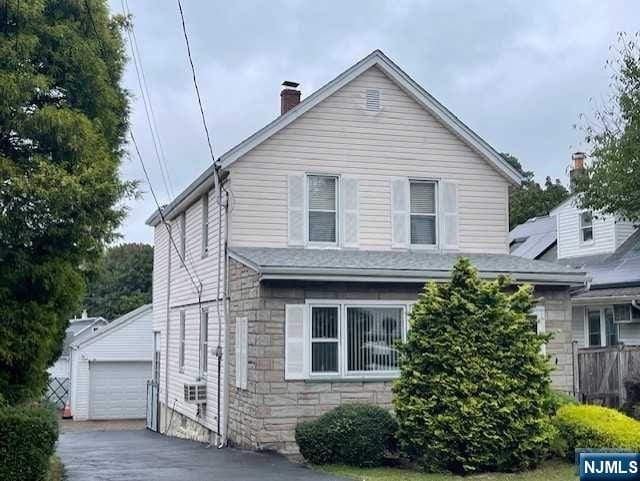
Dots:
{"x": 180, "y": 426}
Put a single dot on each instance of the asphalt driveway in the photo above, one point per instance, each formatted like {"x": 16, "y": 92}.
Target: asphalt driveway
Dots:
{"x": 145, "y": 456}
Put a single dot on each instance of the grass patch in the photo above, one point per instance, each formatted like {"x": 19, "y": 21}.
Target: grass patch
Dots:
{"x": 56, "y": 470}
{"x": 555, "y": 470}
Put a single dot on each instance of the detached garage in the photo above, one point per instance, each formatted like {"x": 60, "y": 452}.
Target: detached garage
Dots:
{"x": 110, "y": 369}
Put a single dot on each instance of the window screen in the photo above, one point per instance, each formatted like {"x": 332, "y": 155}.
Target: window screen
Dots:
{"x": 323, "y": 208}
{"x": 423, "y": 212}
{"x": 324, "y": 339}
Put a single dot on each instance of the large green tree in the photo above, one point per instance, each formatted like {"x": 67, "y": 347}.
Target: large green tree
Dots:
{"x": 121, "y": 281}
{"x": 474, "y": 388}
{"x": 63, "y": 118}
{"x": 531, "y": 199}
{"x": 612, "y": 183}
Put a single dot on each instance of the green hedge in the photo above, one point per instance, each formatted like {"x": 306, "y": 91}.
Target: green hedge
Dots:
{"x": 353, "y": 434}
{"x": 585, "y": 426}
{"x": 27, "y": 441}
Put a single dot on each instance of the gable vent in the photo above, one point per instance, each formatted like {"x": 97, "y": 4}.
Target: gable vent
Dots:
{"x": 373, "y": 100}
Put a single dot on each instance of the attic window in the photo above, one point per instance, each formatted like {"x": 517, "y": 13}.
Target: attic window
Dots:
{"x": 373, "y": 100}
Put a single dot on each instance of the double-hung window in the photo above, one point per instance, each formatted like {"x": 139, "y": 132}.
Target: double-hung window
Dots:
{"x": 205, "y": 225}
{"x": 204, "y": 341}
{"x": 355, "y": 340}
{"x": 586, "y": 227}
{"x": 181, "y": 340}
{"x": 423, "y": 210}
{"x": 322, "y": 209}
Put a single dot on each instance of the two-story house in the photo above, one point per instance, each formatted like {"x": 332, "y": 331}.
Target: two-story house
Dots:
{"x": 283, "y": 277}
{"x": 607, "y": 311}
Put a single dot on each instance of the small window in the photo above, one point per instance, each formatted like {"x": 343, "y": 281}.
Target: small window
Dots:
{"x": 183, "y": 235}
{"x": 324, "y": 340}
{"x": 372, "y": 337}
{"x": 181, "y": 341}
{"x": 156, "y": 356}
{"x": 611, "y": 328}
{"x": 586, "y": 227}
{"x": 593, "y": 320}
{"x": 205, "y": 225}
{"x": 622, "y": 312}
{"x": 204, "y": 341}
{"x": 373, "y": 100}
{"x": 423, "y": 212}
{"x": 323, "y": 209}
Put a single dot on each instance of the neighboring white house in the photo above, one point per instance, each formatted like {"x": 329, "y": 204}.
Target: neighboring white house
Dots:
{"x": 109, "y": 369}
{"x": 281, "y": 294}
{"x": 78, "y": 329}
{"x": 607, "y": 248}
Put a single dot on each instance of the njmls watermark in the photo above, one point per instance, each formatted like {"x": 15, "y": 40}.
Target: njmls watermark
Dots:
{"x": 608, "y": 465}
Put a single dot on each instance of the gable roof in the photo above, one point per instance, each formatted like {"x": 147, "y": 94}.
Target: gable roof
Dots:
{"x": 116, "y": 324}
{"x": 534, "y": 236}
{"x": 397, "y": 75}
{"x": 394, "y": 266}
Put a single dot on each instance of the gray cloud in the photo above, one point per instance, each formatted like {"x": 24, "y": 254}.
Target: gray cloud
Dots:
{"x": 518, "y": 74}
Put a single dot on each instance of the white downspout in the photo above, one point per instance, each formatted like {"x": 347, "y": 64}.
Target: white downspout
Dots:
{"x": 227, "y": 320}
{"x": 166, "y": 354}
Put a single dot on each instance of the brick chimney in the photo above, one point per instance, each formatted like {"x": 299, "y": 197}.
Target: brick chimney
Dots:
{"x": 289, "y": 96}
{"x": 577, "y": 168}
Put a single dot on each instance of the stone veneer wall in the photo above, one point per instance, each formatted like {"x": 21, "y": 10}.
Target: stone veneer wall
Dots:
{"x": 265, "y": 415}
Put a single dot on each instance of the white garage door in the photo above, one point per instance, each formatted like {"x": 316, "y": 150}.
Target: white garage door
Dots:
{"x": 118, "y": 390}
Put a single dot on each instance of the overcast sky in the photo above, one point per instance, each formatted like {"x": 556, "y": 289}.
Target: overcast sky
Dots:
{"x": 518, "y": 73}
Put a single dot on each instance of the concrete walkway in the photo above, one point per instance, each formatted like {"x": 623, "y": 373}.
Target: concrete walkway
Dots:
{"x": 145, "y": 456}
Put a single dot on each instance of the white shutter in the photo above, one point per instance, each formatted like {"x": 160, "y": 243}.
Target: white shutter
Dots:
{"x": 296, "y": 209}
{"x": 448, "y": 215}
{"x": 540, "y": 313}
{"x": 295, "y": 342}
{"x": 242, "y": 341}
{"x": 400, "y": 212}
{"x": 350, "y": 206}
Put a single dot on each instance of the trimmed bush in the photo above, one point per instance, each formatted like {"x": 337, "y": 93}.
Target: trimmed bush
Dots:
{"x": 474, "y": 391}
{"x": 585, "y": 426}
{"x": 558, "y": 399}
{"x": 27, "y": 441}
{"x": 353, "y": 434}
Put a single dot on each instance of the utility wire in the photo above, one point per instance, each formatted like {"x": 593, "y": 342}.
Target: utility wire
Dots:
{"x": 197, "y": 285}
{"x": 148, "y": 104}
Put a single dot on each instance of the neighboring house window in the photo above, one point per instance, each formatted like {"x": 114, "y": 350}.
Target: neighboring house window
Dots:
{"x": 322, "y": 209}
{"x": 586, "y": 227}
{"x": 205, "y": 225}
{"x": 593, "y": 327}
{"x": 181, "y": 341}
{"x": 355, "y": 340}
{"x": 183, "y": 235}
{"x": 204, "y": 341}
{"x": 602, "y": 330}
{"x": 324, "y": 339}
{"x": 423, "y": 212}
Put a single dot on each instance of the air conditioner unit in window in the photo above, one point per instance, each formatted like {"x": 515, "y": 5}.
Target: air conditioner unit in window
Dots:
{"x": 195, "y": 393}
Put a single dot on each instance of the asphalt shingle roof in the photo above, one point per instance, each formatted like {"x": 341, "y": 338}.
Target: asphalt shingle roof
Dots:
{"x": 395, "y": 263}
{"x": 534, "y": 236}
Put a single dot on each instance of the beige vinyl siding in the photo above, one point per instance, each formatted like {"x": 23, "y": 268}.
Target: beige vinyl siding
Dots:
{"x": 339, "y": 136}
{"x": 623, "y": 230}
{"x": 569, "y": 235}
{"x": 203, "y": 270}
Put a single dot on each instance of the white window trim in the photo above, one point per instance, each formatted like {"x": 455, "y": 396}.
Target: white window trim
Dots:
{"x": 320, "y": 375}
{"x": 603, "y": 324}
{"x": 183, "y": 236}
{"x": 342, "y": 305}
{"x": 581, "y": 229}
{"x": 309, "y": 243}
{"x": 203, "y": 343}
{"x": 182, "y": 330}
{"x": 436, "y": 192}
{"x": 205, "y": 225}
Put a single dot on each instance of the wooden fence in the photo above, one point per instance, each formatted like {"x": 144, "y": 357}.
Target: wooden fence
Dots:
{"x": 602, "y": 372}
